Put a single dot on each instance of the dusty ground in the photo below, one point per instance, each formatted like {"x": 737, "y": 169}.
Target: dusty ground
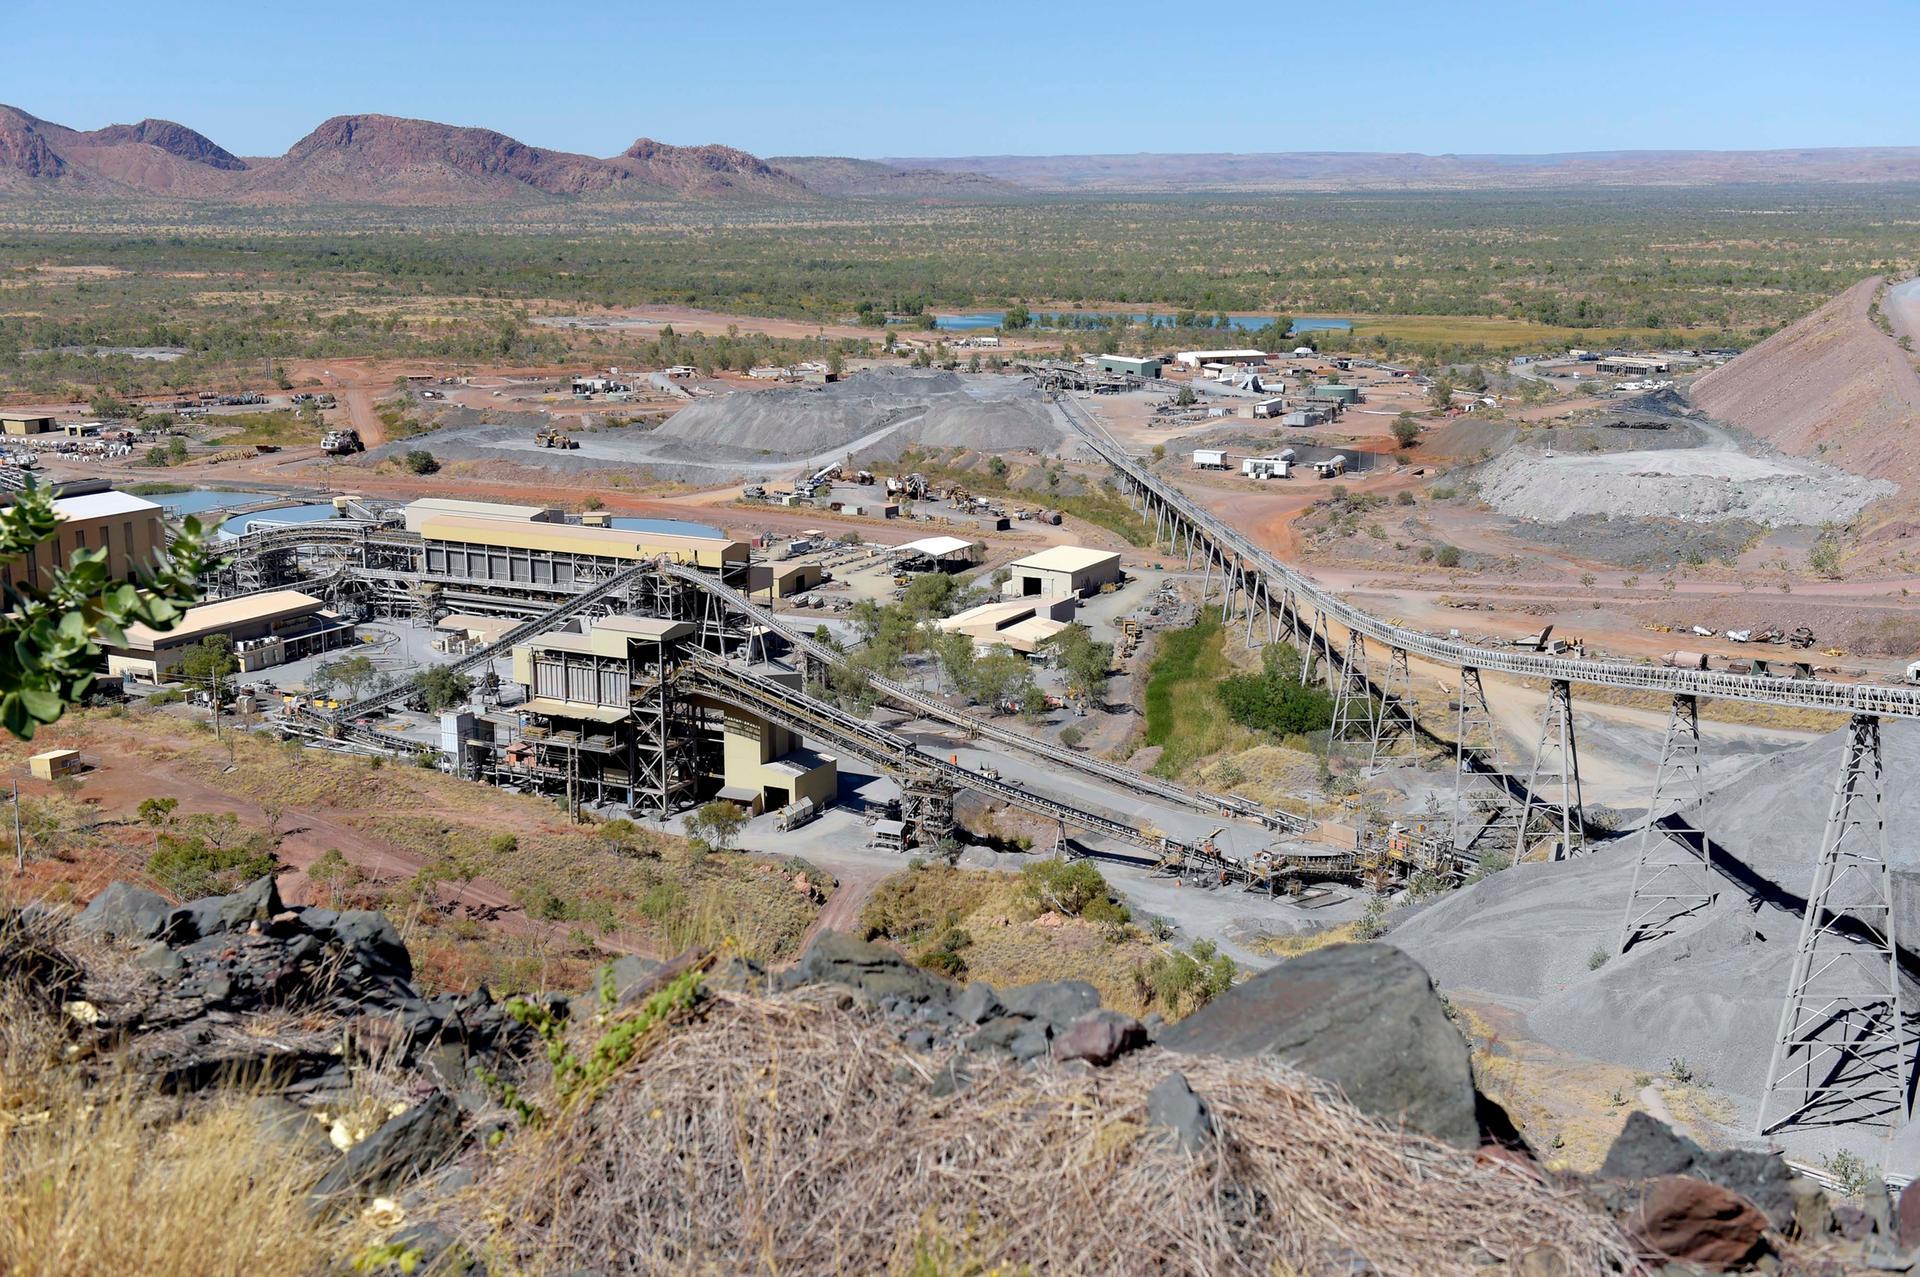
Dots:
{"x": 422, "y": 844}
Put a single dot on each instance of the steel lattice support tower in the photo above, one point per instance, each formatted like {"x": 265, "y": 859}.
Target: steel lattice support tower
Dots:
{"x": 1472, "y": 723}
{"x": 1352, "y": 694}
{"x": 1393, "y": 724}
{"x": 1842, "y": 1053}
{"x": 1673, "y": 872}
{"x": 1319, "y": 647}
{"x": 1556, "y": 757}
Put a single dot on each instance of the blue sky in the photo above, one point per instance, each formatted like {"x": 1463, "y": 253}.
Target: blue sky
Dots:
{"x": 954, "y": 79}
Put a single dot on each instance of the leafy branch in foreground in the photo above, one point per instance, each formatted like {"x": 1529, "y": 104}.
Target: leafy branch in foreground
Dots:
{"x": 50, "y": 635}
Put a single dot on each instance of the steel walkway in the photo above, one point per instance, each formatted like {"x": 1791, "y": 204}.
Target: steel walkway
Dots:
{"x": 715, "y": 676}
{"x": 518, "y": 634}
{"x": 1844, "y": 698}
{"x": 933, "y": 707}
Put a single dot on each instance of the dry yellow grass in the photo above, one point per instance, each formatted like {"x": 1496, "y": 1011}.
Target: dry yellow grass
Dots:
{"x": 100, "y": 1175}
{"x": 1292, "y": 946}
{"x": 1011, "y": 943}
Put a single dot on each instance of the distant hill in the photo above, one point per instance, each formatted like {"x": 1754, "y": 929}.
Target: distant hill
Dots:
{"x": 1358, "y": 170}
{"x": 372, "y": 159}
{"x": 846, "y": 178}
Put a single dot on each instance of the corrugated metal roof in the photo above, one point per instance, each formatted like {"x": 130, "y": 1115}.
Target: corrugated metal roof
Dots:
{"x": 612, "y": 543}
{"x": 1067, "y": 558}
{"x": 101, "y": 505}
{"x": 215, "y": 618}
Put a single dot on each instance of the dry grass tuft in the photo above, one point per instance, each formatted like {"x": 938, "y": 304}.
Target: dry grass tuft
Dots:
{"x": 790, "y": 1135}
{"x": 98, "y": 1174}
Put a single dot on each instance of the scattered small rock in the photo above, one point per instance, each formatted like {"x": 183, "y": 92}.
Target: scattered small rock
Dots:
{"x": 1100, "y": 1038}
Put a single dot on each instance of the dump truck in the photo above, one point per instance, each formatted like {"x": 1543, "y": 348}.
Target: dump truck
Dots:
{"x": 341, "y": 443}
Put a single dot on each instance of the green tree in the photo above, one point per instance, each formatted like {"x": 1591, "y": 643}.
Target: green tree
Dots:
{"x": 1274, "y": 699}
{"x": 1018, "y": 317}
{"x": 50, "y": 635}
{"x": 716, "y": 824}
{"x": 1085, "y": 662}
{"x": 351, "y": 672}
{"x": 208, "y": 662}
{"x": 954, "y": 652}
{"x": 1406, "y": 431}
{"x": 1184, "y": 397}
{"x": 441, "y": 687}
{"x": 420, "y": 461}
{"x": 929, "y": 594}
{"x": 1001, "y": 676}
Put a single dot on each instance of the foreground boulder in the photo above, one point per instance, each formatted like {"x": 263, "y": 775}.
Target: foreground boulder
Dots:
{"x": 877, "y": 971}
{"x": 1364, "y": 1017}
{"x": 123, "y": 911}
{"x": 1648, "y": 1148}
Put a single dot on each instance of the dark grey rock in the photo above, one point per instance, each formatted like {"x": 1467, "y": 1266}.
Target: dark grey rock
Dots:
{"x": 374, "y": 942}
{"x": 977, "y": 1003}
{"x": 1058, "y": 1002}
{"x": 1647, "y": 1148}
{"x": 1364, "y": 1017}
{"x": 258, "y": 901}
{"x": 403, "y": 1149}
{"x": 1172, "y": 1104}
{"x": 160, "y": 960}
{"x": 1100, "y": 1038}
{"x": 917, "y": 1040}
{"x": 125, "y": 912}
{"x": 427, "y": 1248}
{"x": 1031, "y": 1042}
{"x": 997, "y": 1035}
{"x": 316, "y": 919}
{"x": 837, "y": 958}
{"x": 954, "y": 1076}
{"x": 290, "y": 1126}
{"x": 622, "y": 977}
{"x": 739, "y": 975}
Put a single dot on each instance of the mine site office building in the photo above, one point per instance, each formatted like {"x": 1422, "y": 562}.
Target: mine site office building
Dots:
{"x": 130, "y": 529}
{"x": 1063, "y": 571}
{"x": 262, "y": 630}
{"x": 1209, "y": 459}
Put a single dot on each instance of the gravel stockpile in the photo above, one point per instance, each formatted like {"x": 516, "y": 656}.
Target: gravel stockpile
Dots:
{"x": 1696, "y": 485}
{"x": 759, "y": 434}
{"x": 873, "y": 414}
{"x": 1643, "y": 542}
{"x": 1710, "y": 994}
